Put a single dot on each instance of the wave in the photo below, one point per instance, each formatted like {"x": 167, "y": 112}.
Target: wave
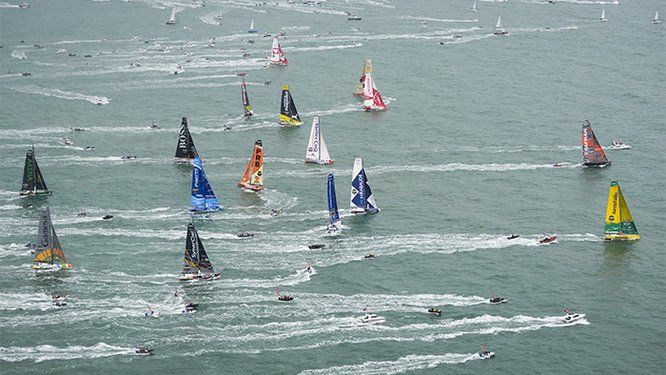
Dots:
{"x": 323, "y": 48}
{"x": 408, "y": 363}
{"x": 32, "y": 89}
{"x": 438, "y": 19}
{"x": 42, "y": 353}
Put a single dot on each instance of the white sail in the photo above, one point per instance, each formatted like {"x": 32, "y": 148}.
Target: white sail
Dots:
{"x": 474, "y": 7}
{"x": 172, "y": 19}
{"x": 500, "y": 24}
{"x": 603, "y": 14}
{"x": 317, "y": 152}
{"x": 656, "y": 18}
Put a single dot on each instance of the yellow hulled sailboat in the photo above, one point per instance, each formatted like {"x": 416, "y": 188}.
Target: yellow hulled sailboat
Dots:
{"x": 620, "y": 224}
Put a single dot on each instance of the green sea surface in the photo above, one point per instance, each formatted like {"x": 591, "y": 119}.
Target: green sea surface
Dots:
{"x": 462, "y": 158}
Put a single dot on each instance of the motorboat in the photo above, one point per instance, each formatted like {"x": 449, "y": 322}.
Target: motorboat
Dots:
{"x": 107, "y": 217}
{"x": 572, "y": 317}
{"x": 372, "y": 319}
{"x": 316, "y": 246}
{"x": 434, "y": 311}
{"x": 486, "y": 354}
{"x": 617, "y": 145}
{"x": 285, "y": 298}
{"x": 369, "y": 256}
{"x": 245, "y": 234}
{"x": 548, "y": 239}
{"x": 143, "y": 351}
{"x": 495, "y": 300}
{"x": 513, "y": 236}
{"x": 66, "y": 142}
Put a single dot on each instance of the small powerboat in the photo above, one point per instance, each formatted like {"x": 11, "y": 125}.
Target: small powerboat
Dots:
{"x": 434, "y": 311}
{"x": 548, "y": 239}
{"x": 486, "y": 354}
{"x": 100, "y": 100}
{"x": 143, "y": 351}
{"x": 90, "y": 148}
{"x": 369, "y": 256}
{"x": 572, "y": 317}
{"x": 107, "y": 217}
{"x": 617, "y": 145}
{"x": 128, "y": 157}
{"x": 66, "y": 141}
{"x": 245, "y": 234}
{"x": 316, "y": 246}
{"x": 73, "y": 129}
{"x": 512, "y": 236}
{"x": 59, "y": 297}
{"x": 151, "y": 314}
{"x": 495, "y": 300}
{"x": 285, "y": 298}
{"x": 372, "y": 319}
{"x": 59, "y": 304}
{"x": 26, "y": 74}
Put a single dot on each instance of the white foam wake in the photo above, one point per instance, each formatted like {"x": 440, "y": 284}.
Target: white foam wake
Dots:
{"x": 411, "y": 362}
{"x": 48, "y": 352}
{"x": 32, "y": 89}
{"x": 19, "y": 55}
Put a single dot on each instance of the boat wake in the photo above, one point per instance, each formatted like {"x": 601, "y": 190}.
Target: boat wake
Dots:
{"x": 31, "y": 89}
{"x": 19, "y": 55}
{"x": 430, "y": 19}
{"x": 407, "y": 363}
{"x": 42, "y": 353}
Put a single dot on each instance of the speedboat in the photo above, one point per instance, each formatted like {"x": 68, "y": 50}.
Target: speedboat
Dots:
{"x": 316, "y": 246}
{"x": 617, "y": 145}
{"x": 143, "y": 351}
{"x": 26, "y": 74}
{"x": 59, "y": 304}
{"x": 434, "y": 311}
{"x": 154, "y": 125}
{"x": 59, "y": 297}
{"x": 73, "y": 129}
{"x": 548, "y": 239}
{"x": 128, "y": 157}
{"x": 285, "y": 298}
{"x": 372, "y": 319}
{"x": 369, "y": 256}
{"x": 90, "y": 148}
{"x": 107, "y": 217}
{"x": 151, "y": 314}
{"x": 486, "y": 354}
{"x": 512, "y": 236}
{"x": 571, "y": 317}
{"x": 245, "y": 234}
{"x": 66, "y": 142}
{"x": 497, "y": 300}
{"x": 100, "y": 100}
{"x": 353, "y": 17}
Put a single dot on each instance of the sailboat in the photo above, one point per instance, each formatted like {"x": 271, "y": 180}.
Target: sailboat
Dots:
{"x": 252, "y": 29}
{"x": 317, "y": 152}
{"x": 253, "y": 178}
{"x": 361, "y": 201}
{"x": 202, "y": 197}
{"x": 619, "y": 222}
{"x": 593, "y": 154}
{"x": 334, "y": 223}
{"x": 172, "y": 19}
{"x": 185, "y": 149}
{"x": 33, "y": 181}
{"x": 277, "y": 56}
{"x": 473, "y": 9}
{"x": 247, "y": 108}
{"x": 372, "y": 99}
{"x": 48, "y": 252}
{"x": 288, "y": 112}
{"x": 656, "y": 19}
{"x": 603, "y": 15}
{"x": 499, "y": 27}
{"x": 196, "y": 265}
{"x": 359, "y": 85}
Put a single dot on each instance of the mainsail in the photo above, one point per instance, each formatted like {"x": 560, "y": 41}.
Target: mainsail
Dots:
{"x": 247, "y": 108}
{"x": 499, "y": 27}
{"x": 288, "y": 113}
{"x": 372, "y": 100}
{"x": 33, "y": 181}
{"x": 334, "y": 221}
{"x": 361, "y": 201}
{"x": 202, "y": 197}
{"x": 277, "y": 56}
{"x": 185, "y": 148}
{"x": 253, "y": 178}
{"x": 593, "y": 154}
{"x": 619, "y": 222}
{"x": 359, "y": 85}
{"x": 172, "y": 18}
{"x": 196, "y": 263}
{"x": 317, "y": 152}
{"x": 656, "y": 18}
{"x": 603, "y": 15}
{"x": 252, "y": 29}
{"x": 48, "y": 252}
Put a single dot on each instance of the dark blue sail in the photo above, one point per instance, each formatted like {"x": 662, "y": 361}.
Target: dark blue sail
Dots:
{"x": 202, "y": 197}
{"x": 334, "y": 217}
{"x": 362, "y": 201}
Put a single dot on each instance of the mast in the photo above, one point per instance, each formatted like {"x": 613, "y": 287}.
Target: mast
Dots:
{"x": 593, "y": 153}
{"x": 202, "y": 197}
{"x": 619, "y": 222}
{"x": 288, "y": 112}
{"x": 185, "y": 148}
{"x": 247, "y": 108}
{"x": 253, "y": 178}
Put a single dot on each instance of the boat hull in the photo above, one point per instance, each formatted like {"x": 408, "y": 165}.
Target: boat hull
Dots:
{"x": 249, "y": 188}
{"x": 363, "y": 212}
{"x": 622, "y": 237}
{"x": 320, "y": 162}
{"x": 596, "y": 165}
{"x": 35, "y": 192}
{"x": 47, "y": 267}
